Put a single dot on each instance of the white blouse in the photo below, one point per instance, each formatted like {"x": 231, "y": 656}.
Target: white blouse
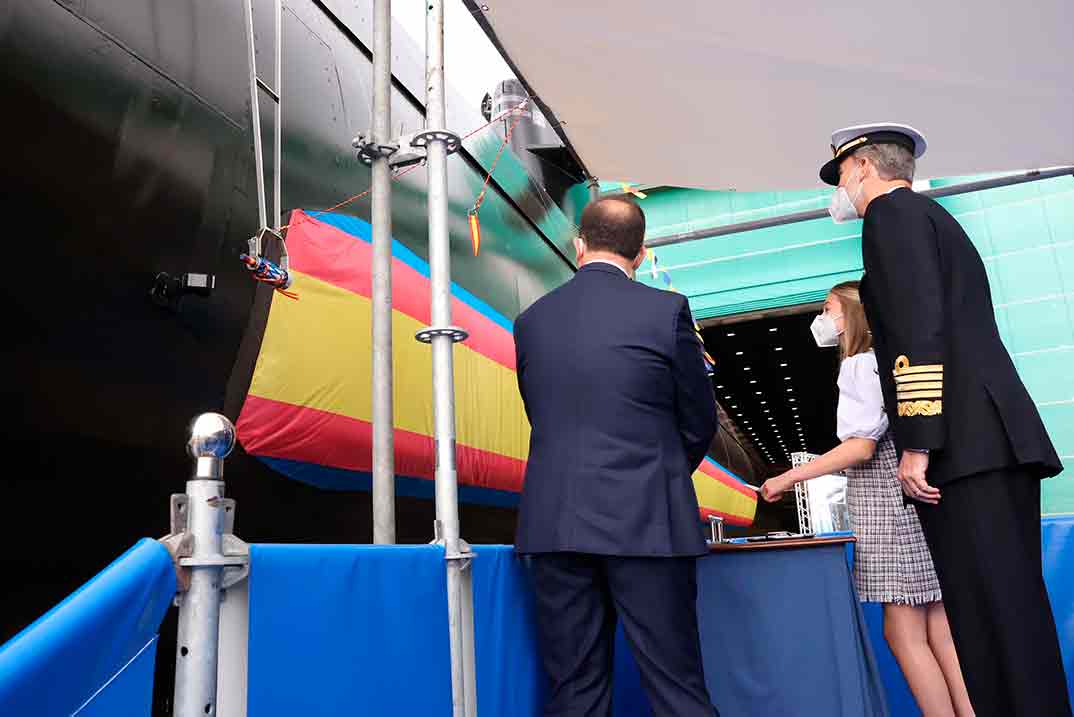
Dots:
{"x": 861, "y": 403}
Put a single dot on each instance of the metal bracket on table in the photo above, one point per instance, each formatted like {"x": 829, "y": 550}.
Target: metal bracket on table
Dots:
{"x": 716, "y": 525}
{"x": 234, "y": 557}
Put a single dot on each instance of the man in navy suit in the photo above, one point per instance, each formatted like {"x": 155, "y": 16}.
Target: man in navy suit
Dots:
{"x": 622, "y": 411}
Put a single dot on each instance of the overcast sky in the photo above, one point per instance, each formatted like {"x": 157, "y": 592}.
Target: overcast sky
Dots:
{"x": 472, "y": 64}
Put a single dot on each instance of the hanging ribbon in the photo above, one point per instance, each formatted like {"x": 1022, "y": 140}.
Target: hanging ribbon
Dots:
{"x": 475, "y": 231}
{"x": 665, "y": 277}
{"x": 475, "y": 223}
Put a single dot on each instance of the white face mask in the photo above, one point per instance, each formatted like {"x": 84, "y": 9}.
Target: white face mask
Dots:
{"x": 843, "y": 208}
{"x": 824, "y": 330}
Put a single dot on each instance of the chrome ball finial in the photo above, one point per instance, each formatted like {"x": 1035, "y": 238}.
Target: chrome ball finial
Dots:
{"x": 211, "y": 436}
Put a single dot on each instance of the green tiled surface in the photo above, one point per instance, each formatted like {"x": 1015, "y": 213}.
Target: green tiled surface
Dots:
{"x": 1025, "y": 234}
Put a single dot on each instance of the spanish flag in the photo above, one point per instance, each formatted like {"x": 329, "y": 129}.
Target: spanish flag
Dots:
{"x": 308, "y": 409}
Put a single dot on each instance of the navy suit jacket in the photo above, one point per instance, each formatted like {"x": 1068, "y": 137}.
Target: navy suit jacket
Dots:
{"x": 622, "y": 412}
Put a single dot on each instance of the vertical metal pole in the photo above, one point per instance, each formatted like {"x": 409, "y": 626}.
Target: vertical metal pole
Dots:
{"x": 277, "y": 142}
{"x": 594, "y": 189}
{"x": 251, "y": 57}
{"x": 199, "y": 611}
{"x": 212, "y": 438}
{"x": 466, "y": 628}
{"x": 447, "y": 502}
{"x": 447, "y": 499}
{"x": 383, "y": 413}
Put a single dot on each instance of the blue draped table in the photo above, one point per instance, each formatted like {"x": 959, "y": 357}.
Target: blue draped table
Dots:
{"x": 782, "y": 633}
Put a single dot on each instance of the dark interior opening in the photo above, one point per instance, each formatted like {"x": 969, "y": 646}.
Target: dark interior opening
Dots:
{"x": 777, "y": 393}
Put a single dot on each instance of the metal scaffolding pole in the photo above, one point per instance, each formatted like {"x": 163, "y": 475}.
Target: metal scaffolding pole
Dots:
{"x": 209, "y": 559}
{"x": 255, "y": 111}
{"x": 277, "y": 143}
{"x": 443, "y": 336}
{"x": 383, "y": 413}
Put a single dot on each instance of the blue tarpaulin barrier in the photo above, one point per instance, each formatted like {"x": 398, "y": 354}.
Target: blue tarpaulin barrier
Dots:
{"x": 901, "y": 702}
{"x": 510, "y": 679}
{"x": 1057, "y": 543}
{"x": 348, "y": 629}
{"x": 1057, "y": 551}
{"x": 93, "y": 654}
{"x": 363, "y": 630}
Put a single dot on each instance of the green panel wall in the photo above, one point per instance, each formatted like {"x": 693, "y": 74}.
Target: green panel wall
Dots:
{"x": 768, "y": 268}
{"x": 1025, "y": 234}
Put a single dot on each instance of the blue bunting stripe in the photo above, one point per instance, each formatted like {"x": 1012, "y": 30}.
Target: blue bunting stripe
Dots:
{"x": 664, "y": 276}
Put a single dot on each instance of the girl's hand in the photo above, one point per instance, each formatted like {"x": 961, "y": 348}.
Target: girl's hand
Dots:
{"x": 773, "y": 488}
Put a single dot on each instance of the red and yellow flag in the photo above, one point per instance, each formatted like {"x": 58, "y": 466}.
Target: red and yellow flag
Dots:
{"x": 308, "y": 409}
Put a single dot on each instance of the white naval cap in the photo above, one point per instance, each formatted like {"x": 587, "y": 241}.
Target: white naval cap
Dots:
{"x": 849, "y": 139}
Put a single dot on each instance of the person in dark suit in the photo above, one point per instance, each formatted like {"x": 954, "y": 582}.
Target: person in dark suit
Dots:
{"x": 972, "y": 446}
{"x": 622, "y": 412}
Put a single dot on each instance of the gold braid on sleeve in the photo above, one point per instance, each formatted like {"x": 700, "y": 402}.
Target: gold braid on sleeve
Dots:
{"x": 919, "y": 389}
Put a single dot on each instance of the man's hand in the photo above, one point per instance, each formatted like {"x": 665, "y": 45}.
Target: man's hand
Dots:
{"x": 912, "y": 470}
{"x": 773, "y": 488}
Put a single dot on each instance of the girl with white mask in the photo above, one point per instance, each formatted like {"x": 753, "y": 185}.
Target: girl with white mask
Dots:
{"x": 892, "y": 564}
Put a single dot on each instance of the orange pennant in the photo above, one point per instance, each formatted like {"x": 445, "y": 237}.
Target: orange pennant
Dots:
{"x": 475, "y": 232}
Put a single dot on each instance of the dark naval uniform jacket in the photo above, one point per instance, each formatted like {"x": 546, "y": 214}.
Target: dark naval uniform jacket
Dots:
{"x": 949, "y": 384}
{"x": 622, "y": 412}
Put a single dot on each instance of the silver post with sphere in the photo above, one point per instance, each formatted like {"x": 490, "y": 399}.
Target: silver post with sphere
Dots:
{"x": 200, "y": 520}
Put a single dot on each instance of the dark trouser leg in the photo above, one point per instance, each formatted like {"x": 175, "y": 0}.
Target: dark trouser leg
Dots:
{"x": 984, "y": 536}
{"x": 576, "y": 623}
{"x": 656, "y": 599}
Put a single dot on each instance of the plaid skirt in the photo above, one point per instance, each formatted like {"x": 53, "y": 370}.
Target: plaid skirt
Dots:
{"x": 891, "y": 559}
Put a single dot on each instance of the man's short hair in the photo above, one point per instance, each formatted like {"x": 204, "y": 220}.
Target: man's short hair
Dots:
{"x": 892, "y": 161}
{"x": 615, "y": 224}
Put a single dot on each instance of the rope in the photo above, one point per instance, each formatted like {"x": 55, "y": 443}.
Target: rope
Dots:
{"x": 279, "y": 279}
{"x": 397, "y": 175}
{"x": 475, "y": 223}
{"x": 496, "y": 119}
{"x": 488, "y": 177}
{"x": 360, "y": 195}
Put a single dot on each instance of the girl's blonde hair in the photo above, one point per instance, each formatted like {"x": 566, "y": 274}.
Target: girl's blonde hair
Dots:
{"x": 856, "y": 338}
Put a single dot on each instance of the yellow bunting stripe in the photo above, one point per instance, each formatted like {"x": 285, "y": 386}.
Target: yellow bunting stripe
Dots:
{"x": 300, "y": 349}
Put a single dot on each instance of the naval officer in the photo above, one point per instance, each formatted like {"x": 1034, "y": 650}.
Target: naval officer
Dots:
{"x": 972, "y": 446}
